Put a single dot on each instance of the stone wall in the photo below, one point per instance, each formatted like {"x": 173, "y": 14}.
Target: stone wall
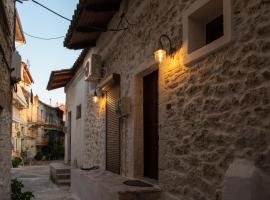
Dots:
{"x": 6, "y": 49}
{"x": 210, "y": 113}
{"x": 94, "y": 132}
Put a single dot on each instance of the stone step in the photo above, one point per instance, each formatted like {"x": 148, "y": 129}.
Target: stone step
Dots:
{"x": 62, "y": 171}
{"x": 65, "y": 176}
{"x": 63, "y": 182}
{"x": 60, "y": 174}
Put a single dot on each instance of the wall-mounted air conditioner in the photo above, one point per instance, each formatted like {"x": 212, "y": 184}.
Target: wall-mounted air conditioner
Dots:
{"x": 92, "y": 69}
{"x": 16, "y": 74}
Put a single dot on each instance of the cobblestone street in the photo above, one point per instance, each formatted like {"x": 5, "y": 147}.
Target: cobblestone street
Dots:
{"x": 36, "y": 179}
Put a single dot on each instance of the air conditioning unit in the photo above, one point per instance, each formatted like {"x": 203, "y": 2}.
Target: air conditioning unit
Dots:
{"x": 16, "y": 74}
{"x": 92, "y": 69}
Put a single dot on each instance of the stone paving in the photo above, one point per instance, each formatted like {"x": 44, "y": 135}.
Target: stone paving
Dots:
{"x": 37, "y": 180}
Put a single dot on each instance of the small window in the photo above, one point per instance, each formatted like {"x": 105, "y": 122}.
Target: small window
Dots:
{"x": 206, "y": 28}
{"x": 78, "y": 111}
{"x": 214, "y": 29}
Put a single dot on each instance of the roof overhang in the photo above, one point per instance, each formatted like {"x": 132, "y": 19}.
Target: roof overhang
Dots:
{"x": 19, "y": 36}
{"x": 90, "y": 19}
{"x": 59, "y": 78}
{"x": 27, "y": 77}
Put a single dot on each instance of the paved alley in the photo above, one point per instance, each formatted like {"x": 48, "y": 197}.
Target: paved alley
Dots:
{"x": 36, "y": 179}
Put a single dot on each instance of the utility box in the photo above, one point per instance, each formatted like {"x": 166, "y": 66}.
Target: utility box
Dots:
{"x": 16, "y": 74}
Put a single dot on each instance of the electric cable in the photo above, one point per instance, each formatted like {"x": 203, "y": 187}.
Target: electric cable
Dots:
{"x": 43, "y": 38}
{"x": 51, "y": 10}
{"x": 63, "y": 17}
{"x": 95, "y": 28}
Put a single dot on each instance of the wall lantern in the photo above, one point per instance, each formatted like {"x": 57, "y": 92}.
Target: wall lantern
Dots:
{"x": 95, "y": 97}
{"x": 161, "y": 53}
{"x": 97, "y": 94}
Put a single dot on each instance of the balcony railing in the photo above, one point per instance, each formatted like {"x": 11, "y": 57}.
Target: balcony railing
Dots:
{"x": 42, "y": 141}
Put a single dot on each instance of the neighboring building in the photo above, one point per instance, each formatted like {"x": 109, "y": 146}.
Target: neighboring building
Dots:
{"x": 7, "y": 47}
{"x": 196, "y": 124}
{"x": 41, "y": 118}
{"x": 76, "y": 102}
{"x": 22, "y": 101}
{"x": 32, "y": 118}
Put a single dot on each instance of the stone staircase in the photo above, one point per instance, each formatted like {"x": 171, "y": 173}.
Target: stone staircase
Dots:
{"x": 60, "y": 174}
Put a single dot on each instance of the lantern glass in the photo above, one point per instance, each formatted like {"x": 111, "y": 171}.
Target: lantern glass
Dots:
{"x": 160, "y": 55}
{"x": 95, "y": 99}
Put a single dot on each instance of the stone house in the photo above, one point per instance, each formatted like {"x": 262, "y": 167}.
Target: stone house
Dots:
{"x": 22, "y": 100}
{"x": 193, "y": 120}
{"x": 40, "y": 118}
{"x": 7, "y": 47}
{"x": 31, "y": 118}
{"x": 77, "y": 98}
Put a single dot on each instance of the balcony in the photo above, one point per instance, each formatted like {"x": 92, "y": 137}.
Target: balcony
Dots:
{"x": 42, "y": 141}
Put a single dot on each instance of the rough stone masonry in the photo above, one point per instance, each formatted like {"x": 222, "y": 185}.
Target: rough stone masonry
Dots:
{"x": 6, "y": 48}
{"x": 209, "y": 114}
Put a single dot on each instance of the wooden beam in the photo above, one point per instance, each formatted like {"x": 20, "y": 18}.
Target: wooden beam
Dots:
{"x": 67, "y": 72}
{"x": 60, "y": 81}
{"x": 90, "y": 29}
{"x": 102, "y": 7}
{"x": 82, "y": 45}
{"x": 57, "y": 76}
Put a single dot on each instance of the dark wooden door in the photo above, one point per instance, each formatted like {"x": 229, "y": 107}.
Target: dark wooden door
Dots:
{"x": 112, "y": 130}
{"x": 150, "y": 119}
{"x": 69, "y": 136}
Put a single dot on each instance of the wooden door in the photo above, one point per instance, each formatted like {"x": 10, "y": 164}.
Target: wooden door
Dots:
{"x": 69, "y": 136}
{"x": 112, "y": 130}
{"x": 150, "y": 121}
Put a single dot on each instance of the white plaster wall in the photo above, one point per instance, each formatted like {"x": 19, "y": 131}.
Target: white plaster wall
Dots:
{"x": 76, "y": 95}
{"x": 15, "y": 114}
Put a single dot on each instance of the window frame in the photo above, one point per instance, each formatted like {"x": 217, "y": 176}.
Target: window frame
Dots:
{"x": 200, "y": 53}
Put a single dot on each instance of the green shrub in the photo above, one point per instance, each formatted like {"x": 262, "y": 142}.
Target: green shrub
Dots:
{"x": 16, "y": 162}
{"x": 38, "y": 156}
{"x": 16, "y": 191}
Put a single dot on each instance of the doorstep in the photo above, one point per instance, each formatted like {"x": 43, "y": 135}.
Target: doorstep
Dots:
{"x": 104, "y": 185}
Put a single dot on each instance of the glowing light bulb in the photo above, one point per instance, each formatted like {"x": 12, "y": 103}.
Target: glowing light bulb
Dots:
{"x": 95, "y": 97}
{"x": 160, "y": 55}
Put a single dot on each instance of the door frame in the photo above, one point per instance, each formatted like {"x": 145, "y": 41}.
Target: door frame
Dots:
{"x": 138, "y": 135}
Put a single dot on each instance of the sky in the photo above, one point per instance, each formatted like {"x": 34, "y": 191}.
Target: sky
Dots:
{"x": 46, "y": 56}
